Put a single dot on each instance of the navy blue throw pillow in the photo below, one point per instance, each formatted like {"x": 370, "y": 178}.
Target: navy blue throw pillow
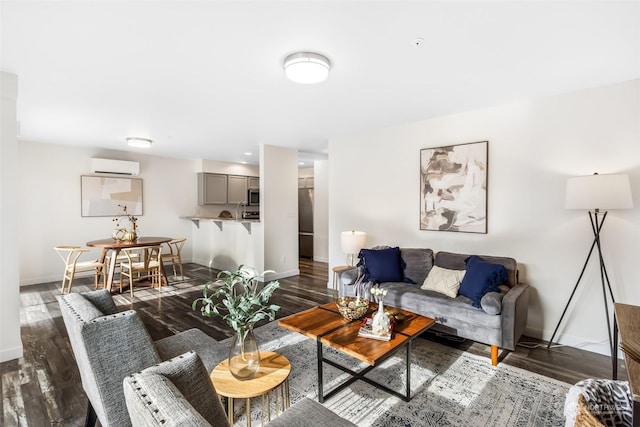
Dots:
{"x": 481, "y": 277}
{"x": 382, "y": 265}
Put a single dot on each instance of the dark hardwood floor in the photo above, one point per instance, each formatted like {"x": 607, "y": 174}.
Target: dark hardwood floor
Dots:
{"x": 43, "y": 388}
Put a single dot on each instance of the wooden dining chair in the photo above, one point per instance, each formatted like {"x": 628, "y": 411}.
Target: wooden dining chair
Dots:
{"x": 70, "y": 255}
{"x": 174, "y": 256}
{"x": 121, "y": 257}
{"x": 150, "y": 267}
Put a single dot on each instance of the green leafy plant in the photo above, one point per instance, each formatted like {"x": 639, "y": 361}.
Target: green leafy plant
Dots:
{"x": 235, "y": 298}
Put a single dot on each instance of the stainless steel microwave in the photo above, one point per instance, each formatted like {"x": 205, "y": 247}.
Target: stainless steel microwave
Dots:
{"x": 254, "y": 197}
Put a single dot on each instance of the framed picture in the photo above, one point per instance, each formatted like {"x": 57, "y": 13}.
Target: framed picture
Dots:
{"x": 453, "y": 188}
{"x": 101, "y": 195}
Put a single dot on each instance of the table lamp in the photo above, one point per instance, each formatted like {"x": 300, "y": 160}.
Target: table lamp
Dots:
{"x": 352, "y": 241}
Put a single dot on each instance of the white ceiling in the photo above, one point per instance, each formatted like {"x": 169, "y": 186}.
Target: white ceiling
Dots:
{"x": 204, "y": 79}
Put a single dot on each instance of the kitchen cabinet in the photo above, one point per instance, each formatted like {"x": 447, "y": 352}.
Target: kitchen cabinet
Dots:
{"x": 237, "y": 189}
{"x": 254, "y": 183}
{"x": 212, "y": 189}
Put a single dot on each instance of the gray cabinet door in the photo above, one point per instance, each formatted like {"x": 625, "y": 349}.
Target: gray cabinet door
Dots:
{"x": 212, "y": 189}
{"x": 237, "y": 186}
{"x": 254, "y": 183}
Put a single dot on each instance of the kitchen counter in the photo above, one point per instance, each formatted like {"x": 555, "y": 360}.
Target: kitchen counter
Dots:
{"x": 215, "y": 218}
{"x": 224, "y": 244}
{"x": 246, "y": 222}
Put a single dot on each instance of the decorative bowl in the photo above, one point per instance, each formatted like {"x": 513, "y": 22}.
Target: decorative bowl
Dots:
{"x": 394, "y": 314}
{"x": 352, "y": 308}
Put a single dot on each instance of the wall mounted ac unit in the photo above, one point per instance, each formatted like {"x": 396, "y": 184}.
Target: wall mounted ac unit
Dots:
{"x": 119, "y": 167}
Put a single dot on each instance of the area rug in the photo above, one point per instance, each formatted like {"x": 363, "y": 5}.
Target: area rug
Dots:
{"x": 449, "y": 387}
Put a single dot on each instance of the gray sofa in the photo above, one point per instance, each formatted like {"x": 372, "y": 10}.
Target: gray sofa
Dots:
{"x": 455, "y": 316}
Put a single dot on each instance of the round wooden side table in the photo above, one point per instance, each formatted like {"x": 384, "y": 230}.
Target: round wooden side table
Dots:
{"x": 336, "y": 274}
{"x": 272, "y": 375}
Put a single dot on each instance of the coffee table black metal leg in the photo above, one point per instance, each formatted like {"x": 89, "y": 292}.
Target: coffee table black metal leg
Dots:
{"x": 320, "y": 376}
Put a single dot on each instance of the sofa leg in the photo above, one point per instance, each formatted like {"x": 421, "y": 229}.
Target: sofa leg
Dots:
{"x": 494, "y": 355}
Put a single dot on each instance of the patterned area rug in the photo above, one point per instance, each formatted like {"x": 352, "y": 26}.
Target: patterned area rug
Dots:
{"x": 448, "y": 387}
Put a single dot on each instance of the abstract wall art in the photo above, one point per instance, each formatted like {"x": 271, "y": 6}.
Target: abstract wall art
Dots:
{"x": 103, "y": 196}
{"x": 453, "y": 188}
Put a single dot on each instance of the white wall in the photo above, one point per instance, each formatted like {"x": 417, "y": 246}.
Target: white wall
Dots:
{"x": 48, "y": 181}
{"x": 279, "y": 209}
{"x": 321, "y": 211}
{"x": 533, "y": 148}
{"x": 10, "y": 343}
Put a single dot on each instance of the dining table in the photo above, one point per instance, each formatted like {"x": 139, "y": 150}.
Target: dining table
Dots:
{"x": 116, "y": 246}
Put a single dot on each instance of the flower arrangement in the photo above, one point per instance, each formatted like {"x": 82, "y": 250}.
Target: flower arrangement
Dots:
{"x": 237, "y": 299}
{"x": 132, "y": 219}
{"x": 121, "y": 233}
{"x": 378, "y": 293}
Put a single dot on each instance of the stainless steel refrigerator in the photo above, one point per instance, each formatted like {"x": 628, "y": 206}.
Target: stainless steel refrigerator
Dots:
{"x": 305, "y": 222}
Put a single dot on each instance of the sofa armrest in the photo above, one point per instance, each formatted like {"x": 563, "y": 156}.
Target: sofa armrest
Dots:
{"x": 349, "y": 275}
{"x": 153, "y": 400}
{"x": 346, "y": 279}
{"x": 515, "y": 307}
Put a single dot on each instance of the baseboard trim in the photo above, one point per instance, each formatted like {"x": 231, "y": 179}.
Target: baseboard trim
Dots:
{"x": 40, "y": 280}
{"x": 601, "y": 347}
{"x": 11, "y": 354}
{"x": 281, "y": 275}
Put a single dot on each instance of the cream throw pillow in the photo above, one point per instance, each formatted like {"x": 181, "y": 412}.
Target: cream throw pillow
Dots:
{"x": 444, "y": 281}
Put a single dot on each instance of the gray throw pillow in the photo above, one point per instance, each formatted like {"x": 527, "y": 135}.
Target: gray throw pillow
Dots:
{"x": 491, "y": 302}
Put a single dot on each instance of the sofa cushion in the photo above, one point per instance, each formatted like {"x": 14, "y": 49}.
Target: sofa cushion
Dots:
{"x": 210, "y": 351}
{"x": 457, "y": 261}
{"x": 444, "y": 281}
{"x": 309, "y": 413}
{"x": 382, "y": 265}
{"x": 481, "y": 277}
{"x": 451, "y": 312}
{"x": 418, "y": 263}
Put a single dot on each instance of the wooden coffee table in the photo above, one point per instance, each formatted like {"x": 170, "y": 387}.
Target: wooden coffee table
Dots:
{"x": 327, "y": 326}
{"x": 273, "y": 374}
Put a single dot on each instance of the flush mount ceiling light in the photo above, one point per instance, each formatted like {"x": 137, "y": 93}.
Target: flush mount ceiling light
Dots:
{"x": 139, "y": 142}
{"x": 306, "y": 67}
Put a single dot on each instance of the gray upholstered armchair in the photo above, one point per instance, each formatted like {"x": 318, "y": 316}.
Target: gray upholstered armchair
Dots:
{"x": 179, "y": 393}
{"x": 109, "y": 345}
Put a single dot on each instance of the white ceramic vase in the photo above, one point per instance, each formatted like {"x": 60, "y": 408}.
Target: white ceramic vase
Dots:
{"x": 381, "y": 323}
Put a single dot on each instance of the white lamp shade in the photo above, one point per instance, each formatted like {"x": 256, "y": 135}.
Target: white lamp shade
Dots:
{"x": 598, "y": 192}
{"x": 353, "y": 241}
{"x": 306, "y": 67}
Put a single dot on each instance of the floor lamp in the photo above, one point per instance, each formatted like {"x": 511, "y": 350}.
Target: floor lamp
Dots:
{"x": 597, "y": 194}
